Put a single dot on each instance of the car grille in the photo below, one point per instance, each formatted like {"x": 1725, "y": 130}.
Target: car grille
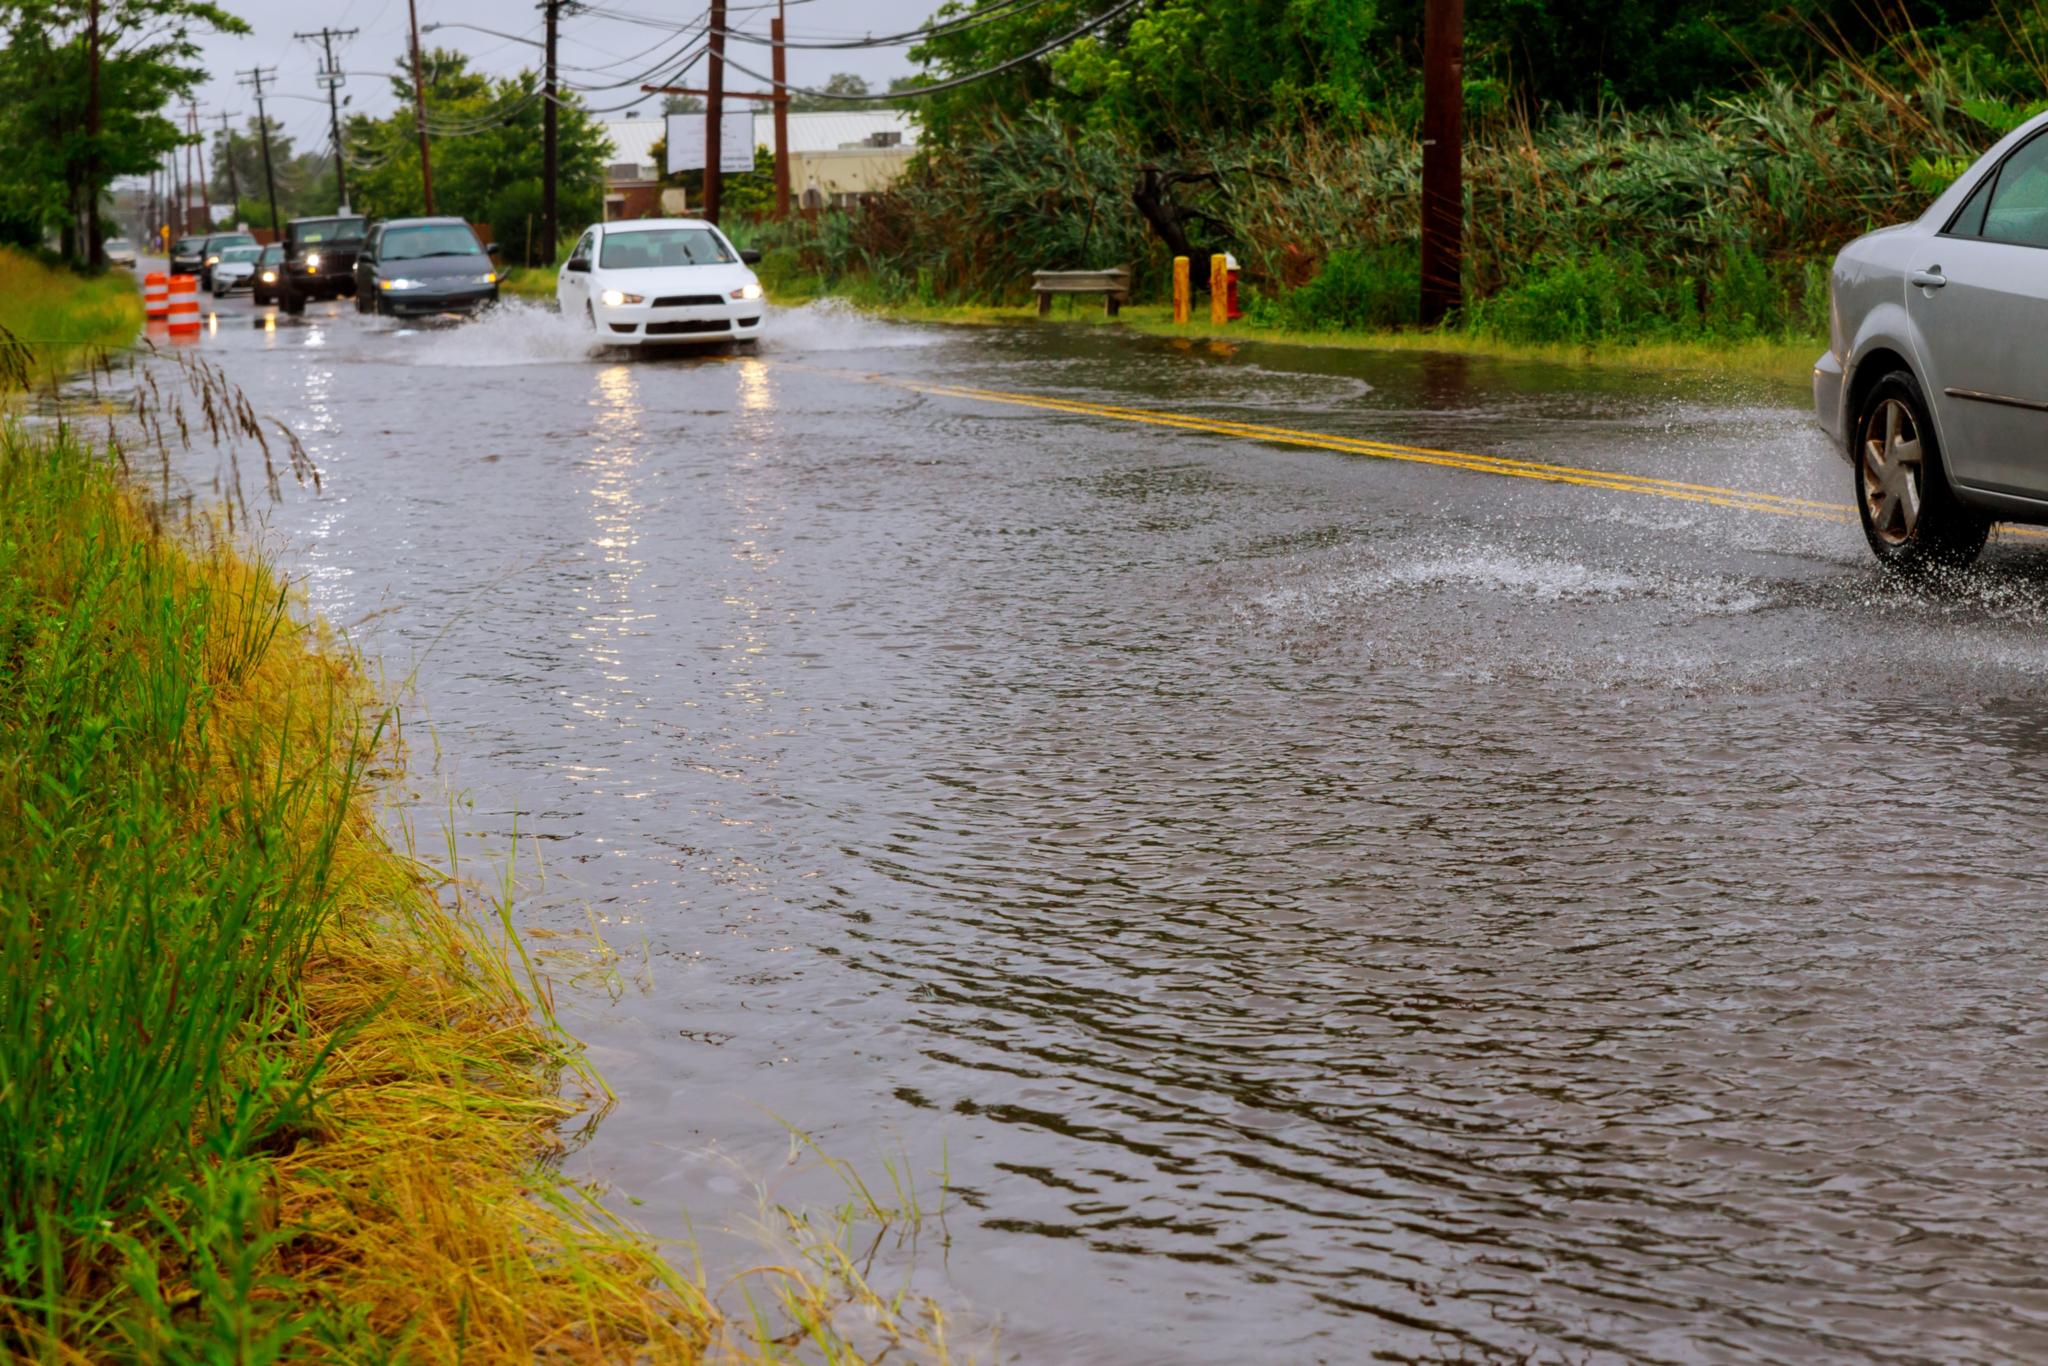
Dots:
{"x": 687, "y": 325}
{"x": 688, "y": 301}
{"x": 744, "y": 322}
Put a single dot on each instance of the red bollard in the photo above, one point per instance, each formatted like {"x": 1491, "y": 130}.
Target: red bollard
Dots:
{"x": 1232, "y": 311}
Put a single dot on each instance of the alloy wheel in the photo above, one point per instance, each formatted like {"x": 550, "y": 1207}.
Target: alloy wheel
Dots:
{"x": 1893, "y": 471}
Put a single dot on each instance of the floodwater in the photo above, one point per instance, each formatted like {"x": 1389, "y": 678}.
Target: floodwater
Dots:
{"x": 1299, "y": 906}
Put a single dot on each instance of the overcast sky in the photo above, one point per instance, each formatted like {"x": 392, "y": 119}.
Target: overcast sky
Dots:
{"x": 612, "y": 42}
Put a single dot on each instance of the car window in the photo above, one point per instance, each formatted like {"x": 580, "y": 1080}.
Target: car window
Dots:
{"x": 248, "y": 253}
{"x": 2018, "y": 208}
{"x": 429, "y": 239}
{"x": 185, "y": 246}
{"x": 1969, "y": 220}
{"x": 586, "y": 246}
{"x": 648, "y": 248}
{"x": 327, "y": 230}
{"x": 272, "y": 254}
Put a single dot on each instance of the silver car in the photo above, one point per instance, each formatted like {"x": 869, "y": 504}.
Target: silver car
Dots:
{"x": 1935, "y": 381}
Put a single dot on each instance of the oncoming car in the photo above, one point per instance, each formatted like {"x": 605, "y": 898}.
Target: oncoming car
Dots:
{"x": 655, "y": 281}
{"x": 235, "y": 268}
{"x": 424, "y": 265}
{"x": 264, "y": 288}
{"x": 1935, "y": 382}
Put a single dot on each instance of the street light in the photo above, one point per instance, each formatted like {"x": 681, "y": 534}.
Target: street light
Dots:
{"x": 495, "y": 33}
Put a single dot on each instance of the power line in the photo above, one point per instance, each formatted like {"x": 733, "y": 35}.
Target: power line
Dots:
{"x": 955, "y": 82}
{"x": 331, "y": 78}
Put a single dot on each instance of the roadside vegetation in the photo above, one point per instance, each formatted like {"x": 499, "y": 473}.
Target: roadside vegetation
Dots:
{"x": 271, "y": 1087}
{"x": 1686, "y": 199}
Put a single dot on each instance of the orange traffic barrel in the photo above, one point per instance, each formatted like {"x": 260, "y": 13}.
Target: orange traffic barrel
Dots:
{"x": 156, "y": 295}
{"x": 184, "y": 308}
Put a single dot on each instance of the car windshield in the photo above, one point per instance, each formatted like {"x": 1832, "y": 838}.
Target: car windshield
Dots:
{"x": 117, "y": 244}
{"x": 221, "y": 243}
{"x": 326, "y": 230}
{"x": 432, "y": 239}
{"x": 185, "y": 246}
{"x": 646, "y": 248}
{"x": 248, "y": 253}
{"x": 272, "y": 254}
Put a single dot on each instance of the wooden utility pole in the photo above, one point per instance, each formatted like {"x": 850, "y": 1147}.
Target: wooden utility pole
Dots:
{"x": 780, "y": 71}
{"x": 419, "y": 107}
{"x": 192, "y": 156}
{"x": 331, "y": 77}
{"x": 95, "y": 249}
{"x": 714, "y": 115}
{"x": 1443, "y": 177}
{"x": 227, "y": 157}
{"x": 255, "y": 79}
{"x": 550, "y": 153}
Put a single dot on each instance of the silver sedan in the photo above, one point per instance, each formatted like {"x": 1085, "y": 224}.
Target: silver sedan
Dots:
{"x": 1935, "y": 381}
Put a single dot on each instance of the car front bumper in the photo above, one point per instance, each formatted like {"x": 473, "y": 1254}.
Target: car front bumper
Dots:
{"x": 463, "y": 298}
{"x": 1827, "y": 400}
{"x": 644, "y": 325}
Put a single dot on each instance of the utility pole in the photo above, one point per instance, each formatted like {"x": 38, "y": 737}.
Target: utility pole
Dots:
{"x": 1443, "y": 175}
{"x": 191, "y": 157}
{"x": 714, "y": 115}
{"x": 780, "y": 71}
{"x": 227, "y": 157}
{"x": 255, "y": 78}
{"x": 331, "y": 77}
{"x": 95, "y": 249}
{"x": 419, "y": 107}
{"x": 550, "y": 123}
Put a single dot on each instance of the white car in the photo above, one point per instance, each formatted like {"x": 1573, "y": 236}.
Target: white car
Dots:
{"x": 236, "y": 269}
{"x": 660, "y": 281}
{"x": 1935, "y": 381}
{"x": 119, "y": 251}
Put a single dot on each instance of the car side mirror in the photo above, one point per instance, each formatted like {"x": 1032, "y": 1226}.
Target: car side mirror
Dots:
{"x": 491, "y": 247}
{"x": 579, "y": 264}
{"x": 750, "y": 256}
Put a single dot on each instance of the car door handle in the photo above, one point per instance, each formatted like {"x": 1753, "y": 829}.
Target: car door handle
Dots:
{"x": 1930, "y": 278}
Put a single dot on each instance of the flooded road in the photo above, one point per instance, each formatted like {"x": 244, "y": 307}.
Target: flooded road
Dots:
{"x": 1300, "y": 905}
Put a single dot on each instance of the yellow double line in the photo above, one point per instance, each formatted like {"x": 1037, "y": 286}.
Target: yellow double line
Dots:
{"x": 1747, "y": 500}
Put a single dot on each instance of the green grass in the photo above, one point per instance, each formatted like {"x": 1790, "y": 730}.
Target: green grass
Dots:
{"x": 527, "y": 282}
{"x": 61, "y": 319}
{"x": 1775, "y": 360}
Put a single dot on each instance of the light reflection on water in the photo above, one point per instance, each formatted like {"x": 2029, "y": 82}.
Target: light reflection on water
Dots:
{"x": 1310, "y": 905}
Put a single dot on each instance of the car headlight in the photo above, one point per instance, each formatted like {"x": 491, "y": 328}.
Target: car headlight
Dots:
{"x": 269, "y": 277}
{"x": 213, "y": 260}
{"x": 612, "y": 298}
{"x": 400, "y": 284}
{"x": 489, "y": 277}
{"x": 747, "y": 292}
{"x": 312, "y": 260}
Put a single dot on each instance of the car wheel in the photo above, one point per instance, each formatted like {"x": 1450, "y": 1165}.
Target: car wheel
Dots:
{"x": 291, "y": 301}
{"x": 1911, "y": 516}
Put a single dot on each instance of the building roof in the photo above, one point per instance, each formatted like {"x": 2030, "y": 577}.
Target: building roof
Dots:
{"x": 633, "y": 139}
{"x": 832, "y": 129}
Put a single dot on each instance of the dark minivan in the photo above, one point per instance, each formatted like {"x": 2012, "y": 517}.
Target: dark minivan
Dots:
{"x": 319, "y": 259}
{"x": 424, "y": 265}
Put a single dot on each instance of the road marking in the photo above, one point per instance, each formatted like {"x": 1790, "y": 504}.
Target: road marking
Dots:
{"x": 1750, "y": 500}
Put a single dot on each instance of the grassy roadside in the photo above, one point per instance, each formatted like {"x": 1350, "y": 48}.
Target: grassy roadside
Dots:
{"x": 264, "y": 1094}
{"x": 58, "y": 320}
{"x": 1769, "y": 360}
{"x": 527, "y": 282}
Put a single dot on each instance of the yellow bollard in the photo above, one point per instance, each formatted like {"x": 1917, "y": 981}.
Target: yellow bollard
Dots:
{"x": 1181, "y": 289}
{"x": 1219, "y": 290}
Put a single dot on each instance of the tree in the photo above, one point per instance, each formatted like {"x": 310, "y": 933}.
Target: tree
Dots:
{"x": 682, "y": 104}
{"x": 840, "y": 83}
{"x": 83, "y": 89}
{"x": 485, "y": 138}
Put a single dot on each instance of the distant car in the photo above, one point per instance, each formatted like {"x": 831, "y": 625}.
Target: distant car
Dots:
{"x": 319, "y": 259}
{"x": 269, "y": 265}
{"x": 209, "y": 254}
{"x": 661, "y": 281}
{"x": 424, "y": 265}
{"x": 188, "y": 254}
{"x": 1935, "y": 381}
{"x": 235, "y": 268}
{"x": 119, "y": 251}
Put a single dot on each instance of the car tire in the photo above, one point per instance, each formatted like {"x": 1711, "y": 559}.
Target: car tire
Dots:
{"x": 1911, "y": 516}
{"x": 291, "y": 301}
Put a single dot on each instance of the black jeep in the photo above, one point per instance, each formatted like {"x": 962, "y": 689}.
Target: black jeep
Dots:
{"x": 319, "y": 260}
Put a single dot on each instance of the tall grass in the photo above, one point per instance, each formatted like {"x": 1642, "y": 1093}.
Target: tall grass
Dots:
{"x": 52, "y": 319}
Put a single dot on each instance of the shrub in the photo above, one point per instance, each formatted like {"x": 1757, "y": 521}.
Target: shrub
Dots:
{"x": 1360, "y": 288}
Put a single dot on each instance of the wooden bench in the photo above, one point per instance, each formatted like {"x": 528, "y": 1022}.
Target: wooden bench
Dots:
{"x": 1113, "y": 285}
